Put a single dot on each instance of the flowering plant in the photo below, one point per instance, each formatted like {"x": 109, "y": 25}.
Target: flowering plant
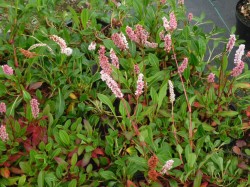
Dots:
{"x": 128, "y": 93}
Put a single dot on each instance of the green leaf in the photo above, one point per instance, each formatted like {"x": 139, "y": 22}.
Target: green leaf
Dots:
{"x": 73, "y": 183}
{"x": 74, "y": 17}
{"x": 153, "y": 60}
{"x": 64, "y": 137}
{"x": 60, "y": 104}
{"x": 40, "y": 179}
{"x": 108, "y": 175}
{"x": 88, "y": 127}
{"x": 84, "y": 17}
{"x": 228, "y": 113}
{"x": 191, "y": 159}
{"x": 141, "y": 162}
{"x": 198, "y": 179}
{"x": 162, "y": 94}
{"x": 11, "y": 110}
{"x": 123, "y": 109}
{"x": 26, "y": 96}
{"x": 21, "y": 180}
{"x": 224, "y": 63}
{"x": 109, "y": 44}
{"x": 25, "y": 167}
{"x": 154, "y": 95}
{"x": 106, "y": 100}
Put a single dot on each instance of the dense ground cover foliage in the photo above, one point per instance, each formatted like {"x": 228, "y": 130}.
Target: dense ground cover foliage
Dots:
{"x": 130, "y": 93}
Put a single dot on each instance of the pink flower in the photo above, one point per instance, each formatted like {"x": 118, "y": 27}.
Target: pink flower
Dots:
{"x": 168, "y": 165}
{"x": 61, "y": 42}
{"x": 163, "y": 1}
{"x": 2, "y": 107}
{"x": 151, "y": 44}
{"x": 120, "y": 41}
{"x": 142, "y": 34}
{"x": 140, "y": 85}
{"x": 3, "y": 133}
{"x": 238, "y": 69}
{"x": 34, "y": 107}
{"x": 231, "y": 43}
{"x": 166, "y": 24}
{"x": 167, "y": 42}
{"x": 162, "y": 35}
{"x": 136, "y": 69}
{"x": 131, "y": 34}
{"x": 183, "y": 66}
{"x": 111, "y": 84}
{"x": 190, "y": 16}
{"x": 181, "y": 2}
{"x": 103, "y": 60}
{"x": 7, "y": 69}
{"x": 172, "y": 22}
{"x": 239, "y": 53}
{"x": 114, "y": 58}
{"x": 92, "y": 46}
{"x": 210, "y": 78}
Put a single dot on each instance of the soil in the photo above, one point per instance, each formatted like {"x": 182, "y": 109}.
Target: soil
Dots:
{"x": 244, "y": 8}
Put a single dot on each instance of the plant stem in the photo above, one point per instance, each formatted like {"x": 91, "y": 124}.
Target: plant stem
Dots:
{"x": 188, "y": 104}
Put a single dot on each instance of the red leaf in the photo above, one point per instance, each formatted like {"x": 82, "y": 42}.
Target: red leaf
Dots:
{"x": 16, "y": 170}
{"x": 248, "y": 111}
{"x": 36, "y": 85}
{"x": 5, "y": 172}
{"x": 241, "y": 143}
{"x": 236, "y": 150}
{"x": 130, "y": 184}
{"x": 204, "y": 184}
{"x": 96, "y": 152}
{"x": 197, "y": 104}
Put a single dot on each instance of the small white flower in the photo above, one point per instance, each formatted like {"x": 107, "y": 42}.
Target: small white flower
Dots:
{"x": 92, "y": 46}
{"x": 168, "y": 165}
{"x": 67, "y": 51}
{"x": 171, "y": 91}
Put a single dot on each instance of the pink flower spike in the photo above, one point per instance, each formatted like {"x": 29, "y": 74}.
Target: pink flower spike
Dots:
{"x": 7, "y": 69}
{"x": 2, "y": 107}
{"x": 112, "y": 84}
{"x": 61, "y": 42}
{"x": 168, "y": 165}
{"x": 239, "y": 53}
{"x": 3, "y": 133}
{"x": 231, "y": 43}
{"x": 166, "y": 24}
{"x": 136, "y": 69}
{"x": 167, "y": 43}
{"x": 151, "y": 44}
{"x": 172, "y": 22}
{"x": 163, "y": 2}
{"x": 131, "y": 34}
{"x": 34, "y": 107}
{"x": 190, "y": 16}
{"x": 114, "y": 58}
{"x": 140, "y": 85}
{"x": 103, "y": 60}
{"x": 120, "y": 41}
{"x": 183, "y": 66}
{"x": 238, "y": 69}
{"x": 210, "y": 78}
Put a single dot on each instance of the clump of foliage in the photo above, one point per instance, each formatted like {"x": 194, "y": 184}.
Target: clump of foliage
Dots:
{"x": 123, "y": 93}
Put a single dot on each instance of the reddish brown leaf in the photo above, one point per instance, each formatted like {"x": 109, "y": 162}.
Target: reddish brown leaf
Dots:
{"x": 204, "y": 184}
{"x": 36, "y": 85}
{"x": 16, "y": 170}
{"x": 236, "y": 150}
{"x": 241, "y": 143}
{"x": 130, "y": 184}
{"x": 248, "y": 111}
{"x": 243, "y": 165}
{"x": 96, "y": 152}
{"x": 197, "y": 104}
{"x": 5, "y": 172}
